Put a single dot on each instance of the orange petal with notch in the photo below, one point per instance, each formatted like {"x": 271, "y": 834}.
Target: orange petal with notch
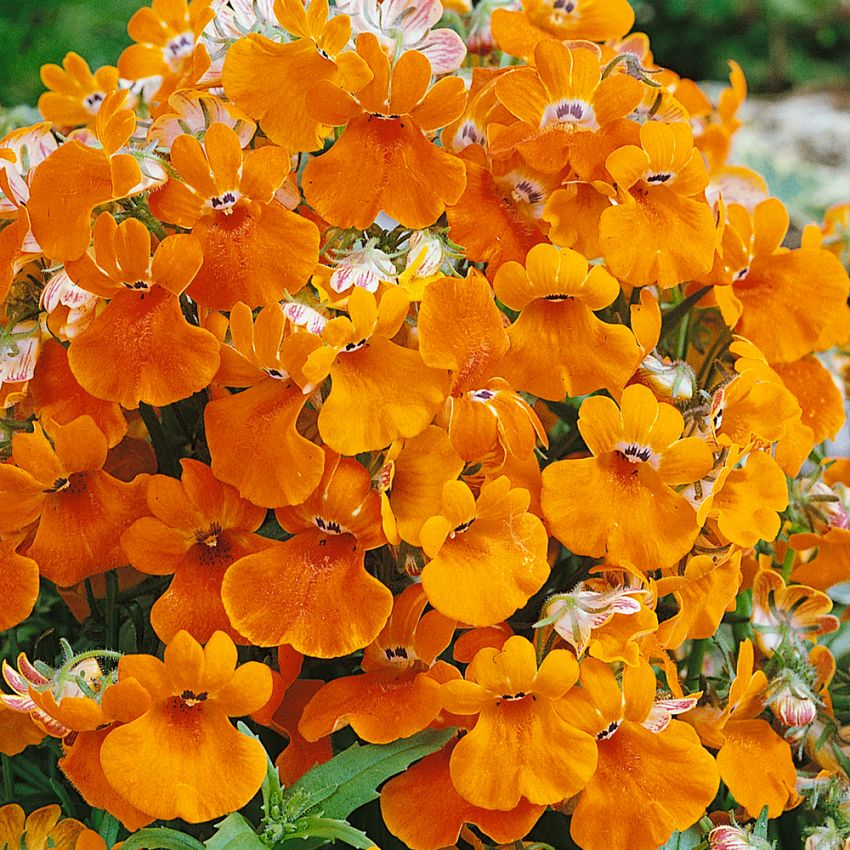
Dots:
{"x": 260, "y": 423}
{"x": 311, "y": 591}
{"x": 440, "y": 812}
{"x": 142, "y": 349}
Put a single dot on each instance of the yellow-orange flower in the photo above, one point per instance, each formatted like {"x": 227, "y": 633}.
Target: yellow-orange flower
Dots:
{"x": 521, "y": 746}
{"x": 182, "y": 758}
{"x": 620, "y": 502}
{"x": 488, "y": 555}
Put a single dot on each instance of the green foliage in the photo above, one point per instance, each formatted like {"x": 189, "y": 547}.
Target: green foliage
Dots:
{"x": 780, "y": 43}
{"x": 33, "y": 32}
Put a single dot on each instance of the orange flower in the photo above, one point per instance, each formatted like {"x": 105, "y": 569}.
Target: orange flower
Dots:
{"x": 411, "y": 482}
{"x": 396, "y": 696}
{"x": 705, "y": 591}
{"x": 830, "y": 564}
{"x": 261, "y": 421}
{"x": 788, "y": 614}
{"x": 165, "y": 34}
{"x": 270, "y": 80}
{"x": 75, "y": 93}
{"x": 299, "y": 755}
{"x": 644, "y": 755}
{"x": 771, "y": 285}
{"x": 19, "y": 585}
{"x": 517, "y": 33}
{"x": 140, "y": 348}
{"x": 198, "y": 529}
{"x": 312, "y": 591}
{"x": 61, "y": 220}
{"x": 253, "y": 247}
{"x": 487, "y": 555}
{"x": 380, "y": 391}
{"x": 620, "y": 503}
{"x": 461, "y": 329}
{"x": 435, "y": 821}
{"x": 40, "y": 830}
{"x": 182, "y": 758}
{"x": 661, "y": 230}
{"x": 754, "y": 762}
{"x": 80, "y": 511}
{"x": 560, "y": 103}
{"x": 520, "y": 746}
{"x": 383, "y": 157}
{"x": 558, "y": 346}
{"x": 55, "y": 394}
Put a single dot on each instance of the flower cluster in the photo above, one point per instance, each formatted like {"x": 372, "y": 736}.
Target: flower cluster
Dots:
{"x": 409, "y": 366}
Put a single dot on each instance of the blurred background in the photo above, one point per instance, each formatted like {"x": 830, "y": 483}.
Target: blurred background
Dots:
{"x": 795, "y": 54}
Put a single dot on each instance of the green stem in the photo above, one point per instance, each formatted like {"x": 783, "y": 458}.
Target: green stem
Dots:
{"x": 720, "y": 345}
{"x": 673, "y": 317}
{"x": 788, "y": 564}
{"x": 698, "y": 651}
{"x": 743, "y": 609}
{"x": 8, "y": 780}
{"x": 111, "y": 610}
{"x": 164, "y": 458}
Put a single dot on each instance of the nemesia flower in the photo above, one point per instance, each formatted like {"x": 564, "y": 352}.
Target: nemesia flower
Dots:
{"x": 770, "y": 284}
{"x": 140, "y": 348}
{"x": 227, "y": 200}
{"x": 658, "y": 204}
{"x": 39, "y": 830}
{"x": 441, "y": 812}
{"x": 270, "y": 80}
{"x": 198, "y": 528}
{"x": 638, "y": 743}
{"x": 75, "y": 94}
{"x": 792, "y": 613}
{"x": 79, "y": 511}
{"x": 194, "y": 112}
{"x": 286, "y": 593}
{"x": 620, "y": 502}
{"x": 181, "y": 757}
{"x": 754, "y": 762}
{"x": 55, "y": 394}
{"x": 396, "y": 695}
{"x": 460, "y": 328}
{"x": 262, "y": 419}
{"x": 705, "y": 590}
{"x": 560, "y": 102}
{"x": 60, "y": 222}
{"x": 383, "y": 156}
{"x": 165, "y": 33}
{"x": 541, "y": 755}
{"x": 380, "y": 390}
{"x": 411, "y": 482}
{"x": 487, "y": 555}
{"x": 517, "y": 33}
{"x": 551, "y": 340}
{"x": 576, "y": 614}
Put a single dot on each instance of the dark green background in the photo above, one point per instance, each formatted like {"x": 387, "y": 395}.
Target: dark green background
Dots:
{"x": 780, "y": 43}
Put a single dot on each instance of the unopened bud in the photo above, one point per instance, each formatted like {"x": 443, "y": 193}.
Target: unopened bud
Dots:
{"x": 670, "y": 381}
{"x": 731, "y": 837}
{"x": 426, "y": 250}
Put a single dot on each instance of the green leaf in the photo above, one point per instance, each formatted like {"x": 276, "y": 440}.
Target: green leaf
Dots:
{"x": 162, "y": 838}
{"x": 351, "y": 778}
{"x": 330, "y": 829}
{"x": 760, "y": 829}
{"x": 687, "y": 840}
{"x": 235, "y": 833}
